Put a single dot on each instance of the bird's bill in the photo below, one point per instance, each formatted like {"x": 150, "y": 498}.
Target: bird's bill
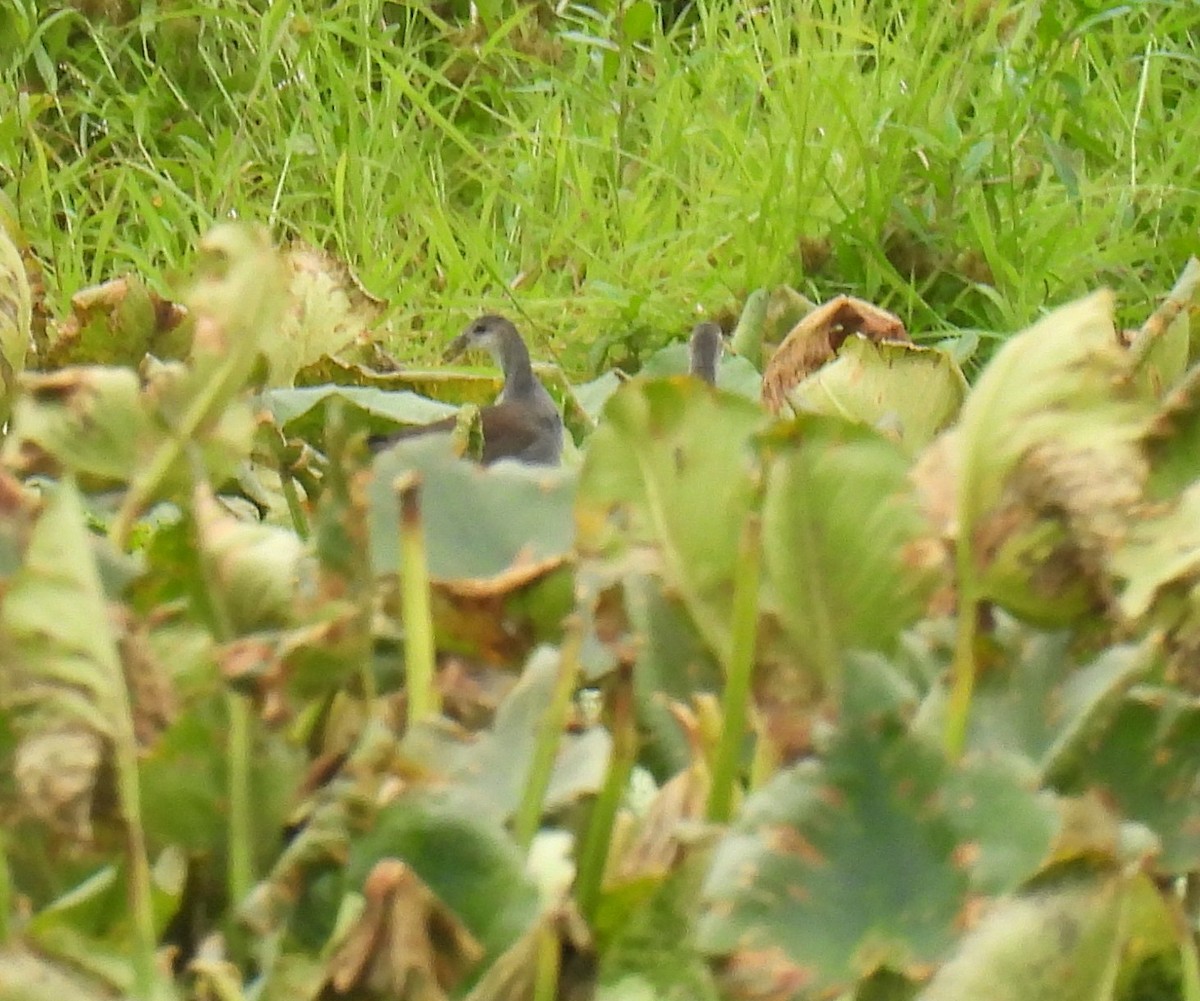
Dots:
{"x": 457, "y": 347}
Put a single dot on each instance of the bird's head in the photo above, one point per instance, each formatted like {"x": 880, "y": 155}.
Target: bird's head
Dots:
{"x": 488, "y": 333}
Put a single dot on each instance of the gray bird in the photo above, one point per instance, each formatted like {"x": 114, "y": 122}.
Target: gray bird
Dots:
{"x": 523, "y": 423}
{"x": 704, "y": 350}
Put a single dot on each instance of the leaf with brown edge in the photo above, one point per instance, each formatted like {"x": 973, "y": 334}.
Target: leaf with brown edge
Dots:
{"x": 799, "y": 893}
{"x": 16, "y": 319}
{"x": 817, "y": 338}
{"x": 405, "y": 945}
{"x": 116, "y": 323}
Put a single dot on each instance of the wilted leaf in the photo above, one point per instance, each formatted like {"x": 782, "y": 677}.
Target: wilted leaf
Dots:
{"x": 405, "y": 945}
{"x": 25, "y": 976}
{"x": 487, "y": 530}
{"x": 16, "y": 317}
{"x": 116, "y": 323}
{"x": 327, "y": 310}
{"x": 482, "y": 882}
{"x": 1062, "y": 381}
{"x": 55, "y": 626}
{"x": 908, "y": 392}
{"x": 670, "y": 469}
{"x": 818, "y": 337}
{"x": 1054, "y": 944}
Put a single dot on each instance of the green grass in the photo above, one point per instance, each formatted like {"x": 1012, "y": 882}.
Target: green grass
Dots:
{"x": 965, "y": 170}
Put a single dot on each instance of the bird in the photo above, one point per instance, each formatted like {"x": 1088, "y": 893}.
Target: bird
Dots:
{"x": 523, "y": 423}
{"x": 704, "y": 351}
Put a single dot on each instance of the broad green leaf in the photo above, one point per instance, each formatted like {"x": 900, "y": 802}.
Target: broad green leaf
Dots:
{"x": 909, "y": 392}
{"x": 1038, "y": 702}
{"x": 481, "y": 878}
{"x": 485, "y": 528}
{"x": 865, "y": 859}
{"x": 494, "y": 764}
{"x": 1145, "y": 763}
{"x": 302, "y": 411}
{"x": 670, "y": 469}
{"x": 845, "y": 560}
{"x": 734, "y": 373}
{"x": 1061, "y": 943}
{"x": 16, "y": 317}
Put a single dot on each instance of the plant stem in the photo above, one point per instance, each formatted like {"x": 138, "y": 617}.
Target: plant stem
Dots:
{"x": 141, "y": 903}
{"x": 593, "y": 858}
{"x": 545, "y": 986}
{"x": 241, "y": 827}
{"x": 541, "y": 767}
{"x": 963, "y": 671}
{"x": 738, "y": 672}
{"x": 423, "y": 699}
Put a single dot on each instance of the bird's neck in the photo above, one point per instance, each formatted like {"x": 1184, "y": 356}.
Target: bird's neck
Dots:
{"x": 704, "y": 363}
{"x": 512, "y": 357}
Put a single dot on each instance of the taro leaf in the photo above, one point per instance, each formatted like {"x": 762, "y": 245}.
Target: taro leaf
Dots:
{"x": 910, "y": 392}
{"x": 467, "y": 860}
{"x": 842, "y": 537}
{"x": 93, "y": 420}
{"x": 54, "y": 623}
{"x": 1172, "y": 441}
{"x": 255, "y": 567}
{"x": 673, "y": 664}
{"x": 867, "y": 858}
{"x": 302, "y": 411}
{"x": 1146, "y": 764}
{"x": 494, "y": 764}
{"x": 405, "y": 944}
{"x": 449, "y": 385}
{"x": 16, "y": 319}
{"x": 326, "y": 311}
{"x": 117, "y": 323}
{"x": 734, "y": 374}
{"x": 1035, "y": 701}
{"x": 651, "y": 947}
{"x": 103, "y": 424}
{"x": 487, "y": 531}
{"x": 747, "y": 336}
{"x": 818, "y": 337}
{"x": 1060, "y": 943}
{"x": 1158, "y": 565}
{"x": 1061, "y": 381}
{"x": 669, "y": 468}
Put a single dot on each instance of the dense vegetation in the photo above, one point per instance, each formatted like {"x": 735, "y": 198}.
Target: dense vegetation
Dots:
{"x": 850, "y": 677}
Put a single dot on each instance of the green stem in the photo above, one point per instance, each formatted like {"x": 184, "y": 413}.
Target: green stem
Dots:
{"x": 545, "y": 985}
{"x": 241, "y": 825}
{"x": 141, "y": 901}
{"x": 962, "y": 671}
{"x": 423, "y": 699}
{"x": 295, "y": 508}
{"x": 594, "y": 855}
{"x": 545, "y": 751}
{"x": 170, "y": 451}
{"x": 739, "y": 671}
